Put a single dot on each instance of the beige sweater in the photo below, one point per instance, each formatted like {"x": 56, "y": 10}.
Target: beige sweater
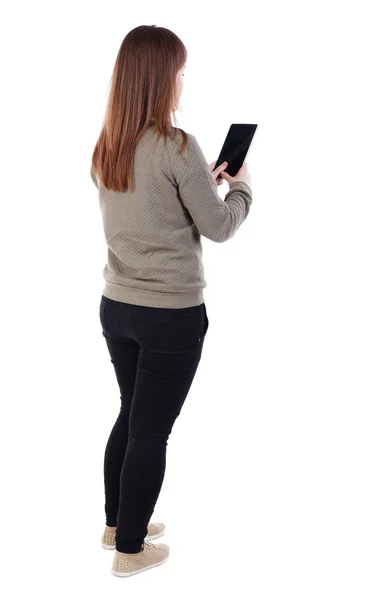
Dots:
{"x": 154, "y": 234}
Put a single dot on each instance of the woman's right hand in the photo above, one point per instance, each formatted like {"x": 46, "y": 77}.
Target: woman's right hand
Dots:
{"x": 242, "y": 175}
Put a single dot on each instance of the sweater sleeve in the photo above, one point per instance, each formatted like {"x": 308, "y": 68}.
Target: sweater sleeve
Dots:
{"x": 216, "y": 219}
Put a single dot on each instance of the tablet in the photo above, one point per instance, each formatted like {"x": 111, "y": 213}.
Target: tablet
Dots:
{"x": 236, "y": 146}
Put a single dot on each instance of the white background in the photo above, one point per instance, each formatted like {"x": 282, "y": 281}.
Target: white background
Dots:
{"x": 266, "y": 493}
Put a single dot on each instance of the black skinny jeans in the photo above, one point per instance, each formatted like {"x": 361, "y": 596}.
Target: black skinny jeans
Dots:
{"x": 155, "y": 353}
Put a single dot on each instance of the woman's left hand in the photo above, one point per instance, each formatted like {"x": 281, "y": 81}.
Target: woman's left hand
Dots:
{"x": 219, "y": 170}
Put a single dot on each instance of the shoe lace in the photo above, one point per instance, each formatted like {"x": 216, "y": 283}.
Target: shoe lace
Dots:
{"x": 150, "y": 546}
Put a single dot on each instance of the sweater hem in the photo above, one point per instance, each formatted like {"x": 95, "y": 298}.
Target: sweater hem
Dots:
{"x": 140, "y": 297}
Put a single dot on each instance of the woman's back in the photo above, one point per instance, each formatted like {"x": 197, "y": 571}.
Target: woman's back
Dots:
{"x": 153, "y": 233}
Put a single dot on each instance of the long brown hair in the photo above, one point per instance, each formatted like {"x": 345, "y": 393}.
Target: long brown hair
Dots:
{"x": 142, "y": 94}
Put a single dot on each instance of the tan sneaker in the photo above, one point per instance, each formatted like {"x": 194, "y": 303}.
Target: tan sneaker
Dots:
{"x": 150, "y": 555}
{"x": 108, "y": 540}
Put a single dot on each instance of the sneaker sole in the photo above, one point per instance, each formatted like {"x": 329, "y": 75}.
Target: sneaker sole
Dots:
{"x": 118, "y": 574}
{"x": 148, "y": 538}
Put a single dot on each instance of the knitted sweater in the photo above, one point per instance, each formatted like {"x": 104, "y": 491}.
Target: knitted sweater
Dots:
{"x": 153, "y": 235}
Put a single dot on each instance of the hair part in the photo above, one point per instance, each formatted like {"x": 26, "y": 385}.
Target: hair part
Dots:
{"x": 142, "y": 94}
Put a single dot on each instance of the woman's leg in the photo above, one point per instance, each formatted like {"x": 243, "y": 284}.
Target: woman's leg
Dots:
{"x": 162, "y": 384}
{"x": 124, "y": 356}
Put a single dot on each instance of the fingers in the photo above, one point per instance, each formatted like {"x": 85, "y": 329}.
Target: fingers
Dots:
{"x": 221, "y": 168}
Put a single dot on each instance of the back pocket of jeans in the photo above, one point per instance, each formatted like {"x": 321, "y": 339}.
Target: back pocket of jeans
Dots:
{"x": 188, "y": 328}
{"x": 148, "y": 315}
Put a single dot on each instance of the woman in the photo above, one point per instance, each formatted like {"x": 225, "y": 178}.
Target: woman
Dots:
{"x": 157, "y": 196}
